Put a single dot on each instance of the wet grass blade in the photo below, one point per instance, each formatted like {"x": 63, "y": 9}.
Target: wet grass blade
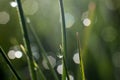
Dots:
{"x": 80, "y": 58}
{"x": 27, "y": 42}
{"x": 9, "y": 64}
{"x": 43, "y": 52}
{"x": 64, "y": 41}
{"x": 38, "y": 70}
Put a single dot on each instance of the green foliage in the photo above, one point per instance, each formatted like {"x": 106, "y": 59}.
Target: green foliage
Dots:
{"x": 42, "y": 28}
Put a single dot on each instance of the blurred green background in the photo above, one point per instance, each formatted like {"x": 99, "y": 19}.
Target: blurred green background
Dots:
{"x": 97, "y": 21}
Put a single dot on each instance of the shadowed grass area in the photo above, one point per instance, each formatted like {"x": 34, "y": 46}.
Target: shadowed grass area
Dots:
{"x": 9, "y": 64}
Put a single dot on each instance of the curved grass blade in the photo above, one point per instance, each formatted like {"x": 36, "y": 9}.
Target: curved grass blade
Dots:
{"x": 27, "y": 42}
{"x": 9, "y": 64}
{"x": 64, "y": 41}
{"x": 80, "y": 58}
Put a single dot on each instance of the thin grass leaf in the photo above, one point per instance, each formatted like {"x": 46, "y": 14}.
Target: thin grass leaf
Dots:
{"x": 9, "y": 64}
{"x": 38, "y": 70}
{"x": 64, "y": 41}
{"x": 80, "y": 58}
{"x": 43, "y": 52}
{"x": 27, "y": 42}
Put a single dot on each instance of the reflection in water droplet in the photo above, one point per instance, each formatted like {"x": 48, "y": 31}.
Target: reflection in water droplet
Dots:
{"x": 60, "y": 56}
{"x": 76, "y": 58}
{"x": 69, "y": 19}
{"x": 4, "y": 17}
{"x": 52, "y": 61}
{"x": 11, "y": 54}
{"x": 30, "y": 7}
{"x": 18, "y": 54}
{"x": 60, "y": 69}
{"x": 86, "y": 22}
{"x": 13, "y": 4}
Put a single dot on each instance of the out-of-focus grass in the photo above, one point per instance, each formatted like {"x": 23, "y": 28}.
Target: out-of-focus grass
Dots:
{"x": 99, "y": 40}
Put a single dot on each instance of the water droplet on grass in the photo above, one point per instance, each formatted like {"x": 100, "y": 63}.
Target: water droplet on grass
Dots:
{"x": 13, "y": 4}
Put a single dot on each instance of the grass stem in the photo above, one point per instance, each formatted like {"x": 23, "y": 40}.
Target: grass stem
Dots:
{"x": 26, "y": 41}
{"x": 64, "y": 41}
{"x": 80, "y": 57}
{"x": 9, "y": 64}
{"x": 43, "y": 52}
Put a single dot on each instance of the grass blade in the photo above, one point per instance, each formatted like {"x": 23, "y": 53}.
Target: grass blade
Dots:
{"x": 38, "y": 70}
{"x": 27, "y": 42}
{"x": 43, "y": 52}
{"x": 80, "y": 58}
{"x": 9, "y": 64}
{"x": 64, "y": 41}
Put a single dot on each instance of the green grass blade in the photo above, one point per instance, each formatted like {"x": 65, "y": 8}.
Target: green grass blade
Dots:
{"x": 27, "y": 42}
{"x": 38, "y": 70}
{"x": 80, "y": 58}
{"x": 9, "y": 64}
{"x": 43, "y": 52}
{"x": 64, "y": 41}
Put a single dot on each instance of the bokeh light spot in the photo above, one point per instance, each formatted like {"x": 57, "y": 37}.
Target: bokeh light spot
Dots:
{"x": 13, "y": 4}
{"x": 11, "y": 54}
{"x": 69, "y": 19}
{"x": 70, "y": 77}
{"x": 116, "y": 59}
{"x": 60, "y": 69}
{"x": 18, "y": 54}
{"x": 86, "y": 22}
{"x": 4, "y": 17}
{"x": 76, "y": 58}
{"x": 109, "y": 34}
{"x": 52, "y": 61}
{"x": 30, "y": 7}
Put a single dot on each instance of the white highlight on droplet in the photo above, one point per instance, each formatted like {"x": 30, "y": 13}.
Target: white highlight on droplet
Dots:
{"x": 11, "y": 54}
{"x": 4, "y": 17}
{"x": 60, "y": 56}
{"x": 70, "y": 77}
{"x": 69, "y": 20}
{"x": 13, "y": 4}
{"x": 76, "y": 58}
{"x": 18, "y": 54}
{"x": 52, "y": 61}
{"x": 60, "y": 69}
{"x": 30, "y": 7}
{"x": 86, "y": 22}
